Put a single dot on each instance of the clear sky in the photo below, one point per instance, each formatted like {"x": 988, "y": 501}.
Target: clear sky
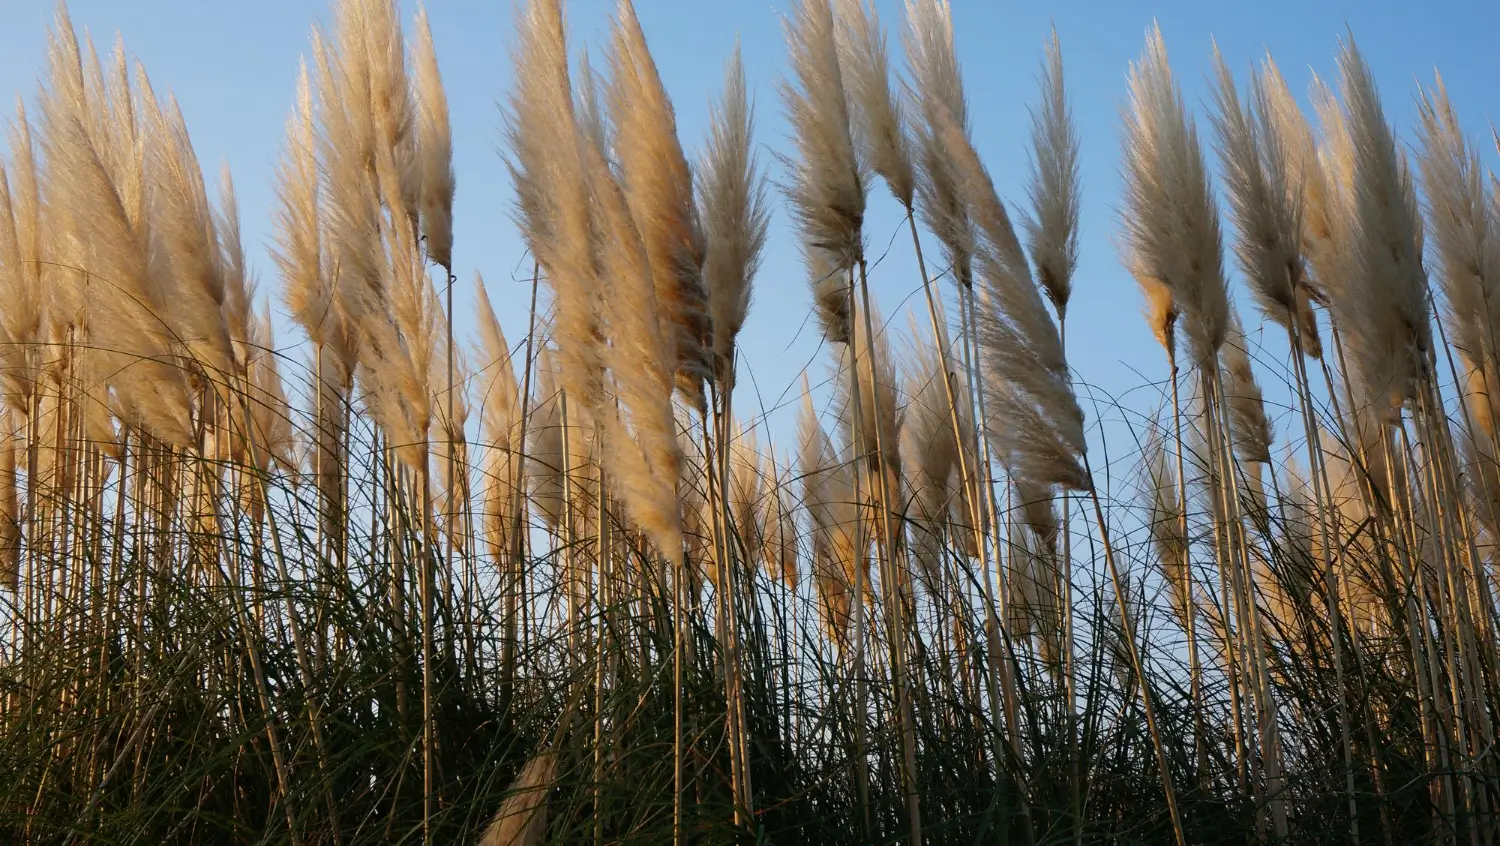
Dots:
{"x": 233, "y": 67}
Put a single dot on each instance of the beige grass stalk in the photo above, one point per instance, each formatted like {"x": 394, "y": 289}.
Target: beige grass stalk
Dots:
{"x": 830, "y": 491}
{"x": 11, "y": 443}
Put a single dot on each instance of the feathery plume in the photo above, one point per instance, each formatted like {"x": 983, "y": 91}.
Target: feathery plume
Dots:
{"x": 874, "y": 107}
{"x": 434, "y": 147}
{"x": 1170, "y": 218}
{"x": 547, "y": 166}
{"x": 126, "y": 301}
{"x": 929, "y": 454}
{"x": 1247, "y": 411}
{"x": 877, "y": 424}
{"x": 1052, "y": 229}
{"x": 182, "y": 220}
{"x": 937, "y": 94}
{"x": 351, "y": 208}
{"x": 522, "y": 819}
{"x": 1382, "y": 303}
{"x": 500, "y": 423}
{"x": 22, "y": 320}
{"x": 1265, "y": 205}
{"x": 659, "y": 188}
{"x": 1164, "y": 508}
{"x": 239, "y": 286}
{"x": 828, "y": 491}
{"x": 1039, "y": 512}
{"x": 545, "y": 455}
{"x": 1464, "y": 219}
{"x": 778, "y": 517}
{"x": 270, "y": 414}
{"x": 10, "y": 514}
{"x": 732, "y": 206}
{"x": 746, "y": 490}
{"x": 19, "y": 327}
{"x": 297, "y": 248}
{"x": 1034, "y": 414}
{"x": 392, "y": 105}
{"x": 827, "y": 188}
{"x": 640, "y": 435}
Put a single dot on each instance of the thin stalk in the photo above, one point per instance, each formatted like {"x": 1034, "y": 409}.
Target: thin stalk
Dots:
{"x": 1322, "y": 497}
{"x": 895, "y": 601}
{"x": 1135, "y": 659}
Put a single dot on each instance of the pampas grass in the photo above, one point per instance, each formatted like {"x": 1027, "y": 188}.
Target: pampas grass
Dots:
{"x": 827, "y": 187}
{"x": 659, "y": 188}
{"x": 732, "y": 205}
{"x": 243, "y": 598}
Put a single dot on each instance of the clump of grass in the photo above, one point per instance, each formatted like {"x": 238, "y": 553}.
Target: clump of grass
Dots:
{"x": 259, "y": 593}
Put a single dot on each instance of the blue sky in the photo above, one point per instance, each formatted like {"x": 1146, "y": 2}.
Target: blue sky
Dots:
{"x": 232, "y": 66}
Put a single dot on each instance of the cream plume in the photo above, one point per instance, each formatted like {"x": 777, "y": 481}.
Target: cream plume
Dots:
{"x": 874, "y": 106}
{"x": 732, "y": 206}
{"x": 1034, "y": 414}
{"x": 828, "y": 491}
{"x": 545, "y": 158}
{"x": 1463, "y": 214}
{"x": 1266, "y": 207}
{"x": 1170, "y": 218}
{"x": 827, "y": 188}
{"x": 500, "y": 424}
{"x": 937, "y": 94}
{"x": 434, "y": 147}
{"x": 1378, "y": 292}
{"x": 659, "y": 189}
{"x": 1052, "y": 229}
{"x": 522, "y": 819}
{"x": 640, "y": 433}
